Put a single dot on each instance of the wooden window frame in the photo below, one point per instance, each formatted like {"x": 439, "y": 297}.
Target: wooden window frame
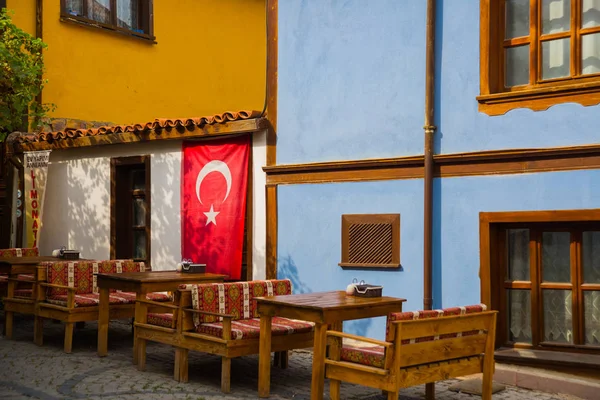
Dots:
{"x": 114, "y": 164}
{"x": 147, "y": 15}
{"x": 495, "y": 99}
{"x": 391, "y": 219}
{"x": 492, "y": 227}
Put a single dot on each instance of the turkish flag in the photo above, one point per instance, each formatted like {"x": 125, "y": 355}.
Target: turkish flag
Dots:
{"x": 213, "y": 203}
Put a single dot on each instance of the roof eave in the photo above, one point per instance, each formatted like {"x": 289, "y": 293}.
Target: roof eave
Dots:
{"x": 167, "y": 133}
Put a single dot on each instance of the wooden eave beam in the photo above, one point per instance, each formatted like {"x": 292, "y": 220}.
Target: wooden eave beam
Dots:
{"x": 178, "y": 133}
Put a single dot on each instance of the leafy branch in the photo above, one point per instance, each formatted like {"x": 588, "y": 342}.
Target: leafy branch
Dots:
{"x": 21, "y": 78}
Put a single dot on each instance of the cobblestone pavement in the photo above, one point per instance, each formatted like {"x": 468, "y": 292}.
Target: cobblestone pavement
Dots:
{"x": 28, "y": 371}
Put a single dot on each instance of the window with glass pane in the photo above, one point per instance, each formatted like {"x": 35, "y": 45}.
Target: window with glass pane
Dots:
{"x": 124, "y": 15}
{"x": 548, "y": 285}
{"x": 539, "y": 44}
{"x": 550, "y": 42}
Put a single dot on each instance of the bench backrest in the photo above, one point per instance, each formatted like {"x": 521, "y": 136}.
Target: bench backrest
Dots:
{"x": 428, "y": 314}
{"x": 454, "y": 337}
{"x": 80, "y": 273}
{"x": 19, "y": 252}
{"x": 236, "y": 298}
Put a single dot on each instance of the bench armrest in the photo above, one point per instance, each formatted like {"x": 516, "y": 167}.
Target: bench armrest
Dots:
{"x": 207, "y": 313}
{"x": 52, "y": 285}
{"x": 20, "y": 280}
{"x": 158, "y": 304}
{"x": 359, "y": 338}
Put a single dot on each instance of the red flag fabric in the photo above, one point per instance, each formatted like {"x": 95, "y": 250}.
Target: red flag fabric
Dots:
{"x": 213, "y": 203}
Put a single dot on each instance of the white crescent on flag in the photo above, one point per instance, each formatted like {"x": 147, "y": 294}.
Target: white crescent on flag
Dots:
{"x": 214, "y": 166}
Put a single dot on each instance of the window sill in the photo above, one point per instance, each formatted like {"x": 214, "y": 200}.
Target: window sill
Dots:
{"x": 108, "y": 28}
{"x": 586, "y": 94}
{"x": 548, "y": 359}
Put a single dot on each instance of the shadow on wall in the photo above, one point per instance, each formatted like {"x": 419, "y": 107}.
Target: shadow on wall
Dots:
{"x": 88, "y": 207}
{"x": 287, "y": 269}
{"x": 165, "y": 209}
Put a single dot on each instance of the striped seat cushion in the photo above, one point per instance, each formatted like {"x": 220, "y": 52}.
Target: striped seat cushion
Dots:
{"x": 27, "y": 293}
{"x": 165, "y": 320}
{"x": 250, "y": 328}
{"x": 93, "y": 299}
{"x": 370, "y": 356}
{"x": 23, "y": 277}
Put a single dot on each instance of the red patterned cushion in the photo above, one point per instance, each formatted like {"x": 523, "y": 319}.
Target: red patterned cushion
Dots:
{"x": 80, "y": 274}
{"x": 165, "y": 320}
{"x": 412, "y": 315}
{"x": 23, "y": 277}
{"x": 16, "y": 252}
{"x": 235, "y": 298}
{"x": 250, "y": 328}
{"x": 24, "y": 293}
{"x": 371, "y": 356}
{"x": 130, "y": 296}
{"x": 93, "y": 299}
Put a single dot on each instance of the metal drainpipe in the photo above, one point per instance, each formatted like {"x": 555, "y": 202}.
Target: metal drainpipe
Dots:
{"x": 429, "y": 128}
{"x": 428, "y": 153}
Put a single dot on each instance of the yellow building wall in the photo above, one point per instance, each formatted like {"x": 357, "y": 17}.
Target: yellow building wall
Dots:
{"x": 210, "y": 57}
{"x": 23, "y": 14}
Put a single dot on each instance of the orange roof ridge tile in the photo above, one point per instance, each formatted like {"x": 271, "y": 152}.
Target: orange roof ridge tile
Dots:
{"x": 157, "y": 124}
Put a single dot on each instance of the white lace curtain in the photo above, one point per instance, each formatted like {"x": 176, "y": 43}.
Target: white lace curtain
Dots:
{"x": 556, "y": 17}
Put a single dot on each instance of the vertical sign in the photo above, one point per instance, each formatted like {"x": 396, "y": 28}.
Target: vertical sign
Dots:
{"x": 36, "y": 172}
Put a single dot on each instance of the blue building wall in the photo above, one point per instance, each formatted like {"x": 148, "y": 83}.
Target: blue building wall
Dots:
{"x": 352, "y": 82}
{"x": 351, "y": 86}
{"x": 309, "y": 219}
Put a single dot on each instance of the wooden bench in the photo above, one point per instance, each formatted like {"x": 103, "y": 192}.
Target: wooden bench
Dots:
{"x": 68, "y": 292}
{"x": 17, "y": 294}
{"x": 221, "y": 319}
{"x": 420, "y": 347}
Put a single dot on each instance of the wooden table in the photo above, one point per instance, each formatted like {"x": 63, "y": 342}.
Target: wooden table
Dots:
{"x": 325, "y": 308}
{"x": 23, "y": 265}
{"x": 140, "y": 283}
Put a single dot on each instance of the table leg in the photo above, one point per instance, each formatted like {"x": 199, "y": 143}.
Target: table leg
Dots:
{"x": 103, "y": 323}
{"x": 318, "y": 363}
{"x": 138, "y": 316}
{"x": 335, "y": 347}
{"x": 264, "y": 357}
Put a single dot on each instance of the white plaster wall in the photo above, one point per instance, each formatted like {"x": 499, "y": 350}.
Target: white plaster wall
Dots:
{"x": 259, "y": 206}
{"x": 77, "y": 203}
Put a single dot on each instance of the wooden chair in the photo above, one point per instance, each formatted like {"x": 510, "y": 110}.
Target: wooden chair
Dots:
{"x": 421, "y": 347}
{"x": 69, "y": 294}
{"x": 221, "y": 319}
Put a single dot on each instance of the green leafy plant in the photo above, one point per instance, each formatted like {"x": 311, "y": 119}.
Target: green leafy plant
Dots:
{"x": 21, "y": 79}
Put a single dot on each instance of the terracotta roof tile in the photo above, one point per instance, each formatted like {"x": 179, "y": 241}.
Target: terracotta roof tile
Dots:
{"x": 157, "y": 124}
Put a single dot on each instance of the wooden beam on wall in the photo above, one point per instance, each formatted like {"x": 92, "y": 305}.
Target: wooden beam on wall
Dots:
{"x": 271, "y": 192}
{"x": 497, "y": 162}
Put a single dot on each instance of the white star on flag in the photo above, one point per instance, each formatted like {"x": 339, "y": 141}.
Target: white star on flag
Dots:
{"x": 211, "y": 216}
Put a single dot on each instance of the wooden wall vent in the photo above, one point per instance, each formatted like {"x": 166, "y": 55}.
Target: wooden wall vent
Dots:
{"x": 370, "y": 241}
